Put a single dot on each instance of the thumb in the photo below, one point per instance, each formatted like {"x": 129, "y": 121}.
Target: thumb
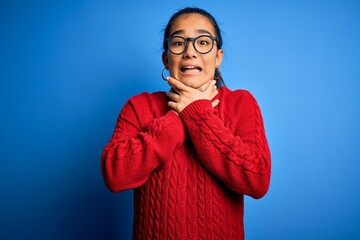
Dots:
{"x": 211, "y": 86}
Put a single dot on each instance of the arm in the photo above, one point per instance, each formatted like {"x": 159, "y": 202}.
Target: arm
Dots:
{"x": 237, "y": 154}
{"x": 139, "y": 145}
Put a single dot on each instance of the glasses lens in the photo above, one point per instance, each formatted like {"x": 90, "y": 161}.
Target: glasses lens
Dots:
{"x": 204, "y": 44}
{"x": 177, "y": 45}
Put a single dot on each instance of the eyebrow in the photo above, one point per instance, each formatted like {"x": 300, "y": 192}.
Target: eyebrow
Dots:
{"x": 201, "y": 31}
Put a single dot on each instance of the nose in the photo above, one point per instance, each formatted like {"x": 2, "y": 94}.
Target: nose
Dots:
{"x": 190, "y": 51}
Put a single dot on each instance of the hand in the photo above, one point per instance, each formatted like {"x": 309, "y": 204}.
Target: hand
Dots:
{"x": 181, "y": 95}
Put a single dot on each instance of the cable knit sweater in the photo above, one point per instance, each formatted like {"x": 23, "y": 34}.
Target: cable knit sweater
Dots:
{"x": 189, "y": 172}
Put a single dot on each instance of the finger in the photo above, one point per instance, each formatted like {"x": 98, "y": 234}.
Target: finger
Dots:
{"x": 215, "y": 103}
{"x": 214, "y": 93}
{"x": 173, "y": 96}
{"x": 205, "y": 86}
{"x": 176, "y": 84}
{"x": 175, "y": 112}
{"x": 211, "y": 87}
{"x": 173, "y": 90}
{"x": 172, "y": 105}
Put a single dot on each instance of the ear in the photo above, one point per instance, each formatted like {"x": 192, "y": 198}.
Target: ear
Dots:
{"x": 165, "y": 60}
{"x": 219, "y": 57}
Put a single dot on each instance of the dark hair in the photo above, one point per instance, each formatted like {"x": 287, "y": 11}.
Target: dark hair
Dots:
{"x": 191, "y": 10}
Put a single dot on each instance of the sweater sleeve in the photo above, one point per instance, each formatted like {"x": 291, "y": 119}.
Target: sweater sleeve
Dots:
{"x": 238, "y": 153}
{"x": 139, "y": 145}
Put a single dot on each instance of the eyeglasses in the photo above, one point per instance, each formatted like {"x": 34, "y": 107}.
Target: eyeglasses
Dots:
{"x": 203, "y": 44}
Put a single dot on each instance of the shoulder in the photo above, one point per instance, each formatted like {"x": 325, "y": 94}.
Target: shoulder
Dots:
{"x": 236, "y": 97}
{"x": 239, "y": 107}
{"x": 147, "y": 104}
{"x": 147, "y": 101}
{"x": 146, "y": 97}
{"x": 238, "y": 104}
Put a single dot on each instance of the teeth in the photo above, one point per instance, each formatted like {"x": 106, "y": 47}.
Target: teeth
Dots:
{"x": 186, "y": 68}
{"x": 191, "y": 67}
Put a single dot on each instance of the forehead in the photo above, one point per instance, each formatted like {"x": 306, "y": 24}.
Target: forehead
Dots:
{"x": 190, "y": 24}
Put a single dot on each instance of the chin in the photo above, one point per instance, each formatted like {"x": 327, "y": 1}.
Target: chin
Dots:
{"x": 193, "y": 80}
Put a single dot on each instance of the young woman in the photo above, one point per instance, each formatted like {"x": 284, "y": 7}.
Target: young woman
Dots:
{"x": 190, "y": 154}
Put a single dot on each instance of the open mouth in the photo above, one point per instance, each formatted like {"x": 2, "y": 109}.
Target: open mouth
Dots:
{"x": 191, "y": 69}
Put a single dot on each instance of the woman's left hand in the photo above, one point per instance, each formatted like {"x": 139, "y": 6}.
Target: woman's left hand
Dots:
{"x": 181, "y": 95}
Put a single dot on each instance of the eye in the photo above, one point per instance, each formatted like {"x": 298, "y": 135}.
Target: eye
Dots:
{"x": 177, "y": 43}
{"x": 204, "y": 42}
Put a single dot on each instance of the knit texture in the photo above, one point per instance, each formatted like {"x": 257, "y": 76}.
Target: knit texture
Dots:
{"x": 189, "y": 172}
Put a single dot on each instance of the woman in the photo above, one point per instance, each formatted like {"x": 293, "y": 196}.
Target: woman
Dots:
{"x": 192, "y": 153}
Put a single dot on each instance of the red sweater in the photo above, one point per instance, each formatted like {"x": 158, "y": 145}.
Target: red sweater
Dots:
{"x": 190, "y": 172}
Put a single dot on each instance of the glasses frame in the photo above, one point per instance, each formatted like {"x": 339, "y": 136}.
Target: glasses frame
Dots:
{"x": 193, "y": 42}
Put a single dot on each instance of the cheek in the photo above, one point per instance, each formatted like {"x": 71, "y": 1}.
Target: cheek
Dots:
{"x": 173, "y": 69}
{"x": 172, "y": 59}
{"x": 172, "y": 64}
{"x": 210, "y": 67}
{"x": 210, "y": 60}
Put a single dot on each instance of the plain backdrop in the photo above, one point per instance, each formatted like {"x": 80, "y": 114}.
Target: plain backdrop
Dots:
{"x": 67, "y": 68}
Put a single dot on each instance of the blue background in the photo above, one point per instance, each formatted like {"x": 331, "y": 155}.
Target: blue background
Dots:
{"x": 67, "y": 68}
